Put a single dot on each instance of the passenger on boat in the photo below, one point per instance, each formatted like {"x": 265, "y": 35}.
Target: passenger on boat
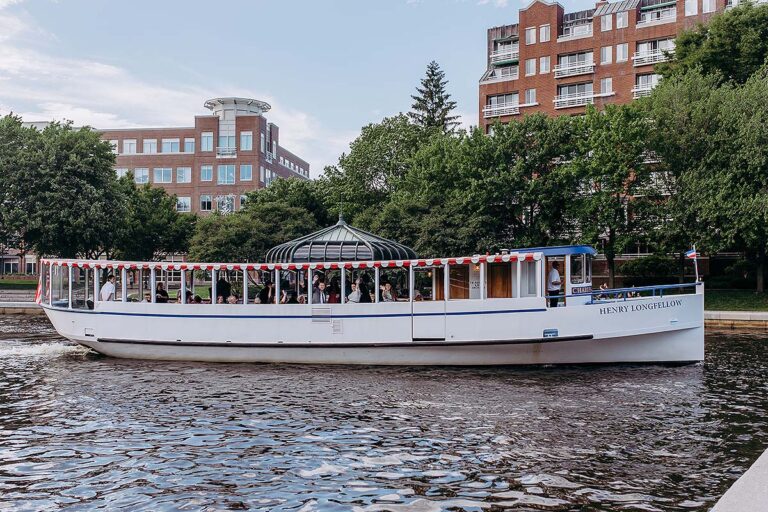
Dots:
{"x": 220, "y": 299}
{"x": 320, "y": 296}
{"x": 198, "y": 299}
{"x": 223, "y": 287}
{"x": 553, "y": 284}
{"x": 283, "y": 296}
{"x": 291, "y": 298}
{"x": 302, "y": 299}
{"x": 161, "y": 296}
{"x": 231, "y": 299}
{"x": 334, "y": 291}
{"x": 147, "y": 297}
{"x": 190, "y": 298}
{"x": 362, "y": 285}
{"x": 108, "y": 290}
{"x": 354, "y": 296}
{"x": 267, "y": 294}
{"x": 387, "y": 293}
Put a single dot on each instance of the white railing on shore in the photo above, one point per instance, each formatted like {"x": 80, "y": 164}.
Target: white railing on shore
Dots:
{"x": 501, "y": 109}
{"x": 563, "y": 70}
{"x": 651, "y": 57}
{"x": 505, "y": 54}
{"x": 226, "y": 152}
{"x": 574, "y": 100}
{"x": 667, "y": 17}
{"x": 641, "y": 91}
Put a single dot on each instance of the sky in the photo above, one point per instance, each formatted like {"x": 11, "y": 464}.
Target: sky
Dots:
{"x": 327, "y": 67}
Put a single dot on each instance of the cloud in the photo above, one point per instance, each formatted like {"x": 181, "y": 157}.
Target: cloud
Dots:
{"x": 42, "y": 87}
{"x": 497, "y": 3}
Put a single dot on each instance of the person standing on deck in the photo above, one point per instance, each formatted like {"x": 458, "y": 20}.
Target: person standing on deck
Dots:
{"x": 108, "y": 290}
{"x": 553, "y": 284}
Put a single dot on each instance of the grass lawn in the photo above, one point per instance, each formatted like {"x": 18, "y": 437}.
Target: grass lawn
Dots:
{"x": 18, "y": 284}
{"x": 735, "y": 300}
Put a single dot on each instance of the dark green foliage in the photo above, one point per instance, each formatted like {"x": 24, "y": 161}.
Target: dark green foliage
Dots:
{"x": 733, "y": 45}
{"x": 432, "y": 105}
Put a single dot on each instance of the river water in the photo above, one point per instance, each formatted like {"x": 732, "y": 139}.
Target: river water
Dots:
{"x": 83, "y": 432}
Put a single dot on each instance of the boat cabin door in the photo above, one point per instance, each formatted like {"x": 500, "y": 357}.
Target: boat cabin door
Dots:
{"x": 554, "y": 280}
{"x": 428, "y": 306}
{"x": 578, "y": 279}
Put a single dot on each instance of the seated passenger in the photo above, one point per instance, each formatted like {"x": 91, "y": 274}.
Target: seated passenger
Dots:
{"x": 147, "y": 297}
{"x": 334, "y": 291}
{"x": 223, "y": 287}
{"x": 267, "y": 294}
{"x": 161, "y": 296}
{"x": 365, "y": 294}
{"x": 198, "y": 299}
{"x": 291, "y": 298}
{"x": 354, "y": 296}
{"x": 231, "y": 299}
{"x": 387, "y": 293}
{"x": 190, "y": 299}
{"x": 302, "y": 299}
{"x": 220, "y": 299}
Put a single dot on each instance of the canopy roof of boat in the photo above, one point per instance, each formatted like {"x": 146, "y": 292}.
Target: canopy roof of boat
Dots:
{"x": 340, "y": 242}
{"x": 561, "y": 250}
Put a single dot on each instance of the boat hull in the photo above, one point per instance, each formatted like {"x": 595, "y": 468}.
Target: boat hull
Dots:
{"x": 643, "y": 330}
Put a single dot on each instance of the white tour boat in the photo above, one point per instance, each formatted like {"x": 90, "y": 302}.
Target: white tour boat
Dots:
{"x": 478, "y": 310}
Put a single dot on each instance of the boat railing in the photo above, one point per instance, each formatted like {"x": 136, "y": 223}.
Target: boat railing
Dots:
{"x": 623, "y": 294}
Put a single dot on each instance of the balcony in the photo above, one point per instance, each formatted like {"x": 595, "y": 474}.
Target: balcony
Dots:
{"x": 226, "y": 152}
{"x": 651, "y": 57}
{"x": 651, "y": 18}
{"x": 563, "y": 70}
{"x": 641, "y": 91}
{"x": 574, "y": 100}
{"x": 492, "y": 78}
{"x": 501, "y": 109}
{"x": 505, "y": 55}
{"x": 576, "y": 32}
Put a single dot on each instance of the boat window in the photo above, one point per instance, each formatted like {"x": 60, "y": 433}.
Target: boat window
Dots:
{"x": 499, "y": 280}
{"x": 360, "y": 286}
{"x": 393, "y": 285}
{"x": 428, "y": 284}
{"x": 59, "y": 287}
{"x": 264, "y": 286}
{"x": 464, "y": 281}
{"x": 201, "y": 287}
{"x": 45, "y": 295}
{"x": 528, "y": 279}
{"x": 577, "y": 268}
{"x": 588, "y": 269}
{"x": 82, "y": 288}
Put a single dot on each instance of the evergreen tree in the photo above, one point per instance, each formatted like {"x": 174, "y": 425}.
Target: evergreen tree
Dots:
{"x": 432, "y": 105}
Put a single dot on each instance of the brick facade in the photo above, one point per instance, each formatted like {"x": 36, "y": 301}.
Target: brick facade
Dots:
{"x": 267, "y": 162}
{"x": 649, "y": 24}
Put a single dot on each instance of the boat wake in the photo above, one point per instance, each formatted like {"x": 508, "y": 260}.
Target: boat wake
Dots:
{"x": 43, "y": 350}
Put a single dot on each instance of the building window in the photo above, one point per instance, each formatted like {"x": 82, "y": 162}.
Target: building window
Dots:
{"x": 708, "y": 6}
{"x": 183, "y": 204}
{"x": 246, "y": 141}
{"x": 262, "y": 143}
{"x": 691, "y": 7}
{"x": 544, "y": 33}
{"x": 530, "y": 35}
{"x": 606, "y": 54}
{"x": 163, "y": 175}
{"x": 530, "y": 96}
{"x": 575, "y": 90}
{"x": 226, "y": 175}
{"x": 227, "y": 141}
{"x": 114, "y": 144}
{"x": 206, "y": 173}
{"x": 647, "y": 82}
{"x": 225, "y": 204}
{"x": 274, "y": 148}
{"x": 606, "y": 85}
{"x": 206, "y": 141}
{"x": 530, "y": 67}
{"x": 141, "y": 176}
{"x": 129, "y": 146}
{"x": 120, "y": 172}
{"x": 150, "y": 146}
{"x": 205, "y": 203}
{"x": 544, "y": 65}
{"x": 183, "y": 175}
{"x": 606, "y": 22}
{"x": 622, "y": 52}
{"x": 170, "y": 145}
{"x": 261, "y": 173}
{"x": 246, "y": 172}
{"x": 189, "y": 145}
{"x": 243, "y": 201}
{"x": 31, "y": 267}
{"x": 622, "y": 19}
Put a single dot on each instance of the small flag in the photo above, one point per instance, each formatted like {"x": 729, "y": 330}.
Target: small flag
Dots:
{"x": 691, "y": 254}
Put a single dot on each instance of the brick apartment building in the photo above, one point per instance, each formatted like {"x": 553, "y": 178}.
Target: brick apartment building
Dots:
{"x": 557, "y": 62}
{"x": 212, "y": 165}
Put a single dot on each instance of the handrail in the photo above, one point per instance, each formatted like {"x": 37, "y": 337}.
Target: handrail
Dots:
{"x": 617, "y": 291}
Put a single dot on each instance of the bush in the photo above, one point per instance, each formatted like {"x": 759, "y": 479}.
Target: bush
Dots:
{"x": 653, "y": 266}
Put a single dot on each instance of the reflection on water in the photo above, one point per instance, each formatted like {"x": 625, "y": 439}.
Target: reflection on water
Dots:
{"x": 83, "y": 431}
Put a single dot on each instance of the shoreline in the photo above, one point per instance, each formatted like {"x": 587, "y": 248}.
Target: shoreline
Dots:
{"x": 734, "y": 320}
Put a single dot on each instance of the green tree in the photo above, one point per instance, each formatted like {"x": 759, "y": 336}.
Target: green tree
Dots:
{"x": 151, "y": 226}
{"x": 248, "y": 234}
{"x": 734, "y": 44}
{"x": 377, "y": 161}
{"x": 432, "y": 105}
{"x": 613, "y": 203}
{"x": 310, "y": 195}
{"x": 14, "y": 145}
{"x": 62, "y": 193}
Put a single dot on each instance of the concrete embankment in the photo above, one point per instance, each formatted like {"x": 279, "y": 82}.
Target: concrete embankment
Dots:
{"x": 750, "y": 492}
{"x": 20, "y": 308}
{"x": 752, "y": 320}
